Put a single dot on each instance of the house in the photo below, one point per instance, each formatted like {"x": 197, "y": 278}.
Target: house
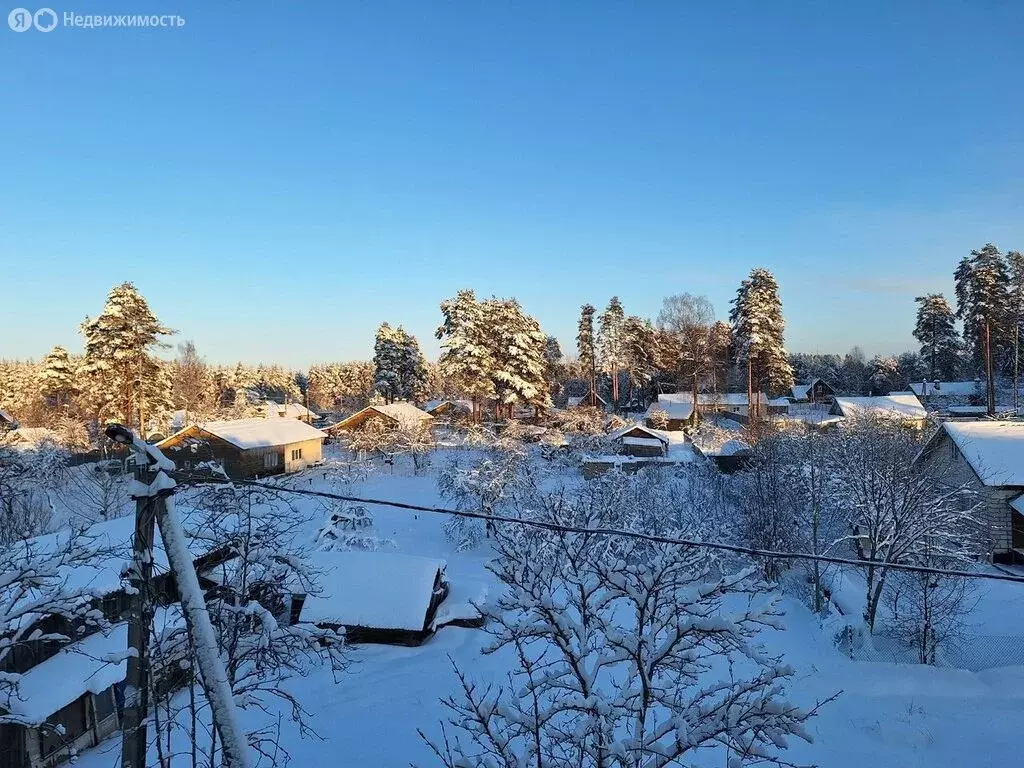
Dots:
{"x": 678, "y": 407}
{"x": 582, "y": 401}
{"x": 288, "y": 411}
{"x": 7, "y": 422}
{"x": 449, "y": 408}
{"x": 672, "y": 415}
{"x": 949, "y": 392}
{"x": 378, "y": 597}
{"x": 393, "y": 414}
{"x": 79, "y": 685}
{"x": 906, "y": 409}
{"x": 638, "y": 440}
{"x": 814, "y": 391}
{"x": 987, "y": 457}
{"x": 247, "y": 447}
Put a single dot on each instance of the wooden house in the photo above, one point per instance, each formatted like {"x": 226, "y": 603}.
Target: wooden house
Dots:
{"x": 378, "y": 597}
{"x": 69, "y": 696}
{"x": 448, "y": 408}
{"x": 986, "y": 458}
{"x": 638, "y": 440}
{"x": 937, "y": 394}
{"x": 247, "y": 447}
{"x": 583, "y": 401}
{"x": 392, "y": 414}
{"x": 814, "y": 391}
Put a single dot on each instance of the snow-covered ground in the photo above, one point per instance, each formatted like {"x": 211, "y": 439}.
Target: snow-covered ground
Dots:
{"x": 898, "y": 715}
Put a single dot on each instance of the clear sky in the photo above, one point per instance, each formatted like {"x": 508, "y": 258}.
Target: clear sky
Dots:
{"x": 278, "y": 178}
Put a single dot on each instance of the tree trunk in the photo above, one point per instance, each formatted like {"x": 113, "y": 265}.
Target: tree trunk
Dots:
{"x": 750, "y": 389}
{"x": 989, "y": 373}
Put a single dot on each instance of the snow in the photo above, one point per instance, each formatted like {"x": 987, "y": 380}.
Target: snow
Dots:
{"x": 994, "y": 449}
{"x": 464, "y": 595}
{"x": 654, "y": 434}
{"x": 287, "y": 411}
{"x": 31, "y": 436}
{"x": 887, "y": 407}
{"x": 672, "y": 409}
{"x": 376, "y": 590}
{"x": 947, "y": 388}
{"x": 462, "y": 405}
{"x": 260, "y": 433}
{"x": 712, "y": 398}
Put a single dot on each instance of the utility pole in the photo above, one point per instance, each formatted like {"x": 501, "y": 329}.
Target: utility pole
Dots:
{"x": 136, "y": 699}
{"x": 157, "y": 504}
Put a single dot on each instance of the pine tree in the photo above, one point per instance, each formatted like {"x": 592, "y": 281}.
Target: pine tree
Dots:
{"x": 412, "y": 368}
{"x": 936, "y": 331}
{"x": 118, "y": 362}
{"x": 466, "y": 357}
{"x": 639, "y": 348}
{"x": 758, "y": 330}
{"x": 554, "y": 369}
{"x": 516, "y": 344}
{"x": 387, "y": 362}
{"x": 983, "y": 303}
{"x": 611, "y": 357}
{"x": 586, "y": 349}
{"x": 57, "y": 377}
{"x": 1015, "y": 268}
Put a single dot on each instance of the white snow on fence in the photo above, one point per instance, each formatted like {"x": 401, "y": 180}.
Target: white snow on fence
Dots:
{"x": 376, "y": 590}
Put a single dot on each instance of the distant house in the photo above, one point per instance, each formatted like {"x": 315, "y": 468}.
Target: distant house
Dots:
{"x": 987, "y": 457}
{"x": 672, "y": 415}
{"x": 394, "y": 414}
{"x": 949, "y": 392}
{"x": 906, "y": 409}
{"x": 7, "y": 422}
{"x": 288, "y": 411}
{"x": 378, "y": 597}
{"x": 247, "y": 447}
{"x": 78, "y": 685}
{"x": 580, "y": 401}
{"x": 638, "y": 440}
{"x": 814, "y": 391}
{"x": 448, "y": 407}
{"x": 679, "y": 406}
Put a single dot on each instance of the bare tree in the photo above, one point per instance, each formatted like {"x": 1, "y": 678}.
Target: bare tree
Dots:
{"x": 691, "y": 319}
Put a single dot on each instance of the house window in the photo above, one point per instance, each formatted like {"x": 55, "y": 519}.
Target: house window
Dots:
{"x": 269, "y": 460}
{"x": 296, "y": 454}
{"x": 72, "y": 718}
{"x": 103, "y": 705}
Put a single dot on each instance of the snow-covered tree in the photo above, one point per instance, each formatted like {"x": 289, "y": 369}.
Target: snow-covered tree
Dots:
{"x": 387, "y": 362}
{"x": 640, "y": 352}
{"x": 611, "y": 344}
{"x": 466, "y": 355}
{"x": 516, "y": 347}
{"x": 758, "y": 330}
{"x": 587, "y": 350}
{"x": 691, "y": 319}
{"x": 127, "y": 380}
{"x": 935, "y": 330}
{"x": 1015, "y": 270}
{"x": 57, "y": 374}
{"x": 340, "y": 386}
{"x": 629, "y": 655}
{"x": 190, "y": 386}
{"x": 983, "y": 304}
{"x": 884, "y": 374}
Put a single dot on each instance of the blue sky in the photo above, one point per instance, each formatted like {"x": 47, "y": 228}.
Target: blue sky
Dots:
{"x": 279, "y": 178}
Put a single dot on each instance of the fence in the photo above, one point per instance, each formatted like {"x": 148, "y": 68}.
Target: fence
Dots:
{"x": 971, "y": 652}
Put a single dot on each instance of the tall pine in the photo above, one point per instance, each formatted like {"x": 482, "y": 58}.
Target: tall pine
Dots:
{"x": 466, "y": 357}
{"x": 983, "y": 303}
{"x": 56, "y": 377}
{"x": 935, "y": 330}
{"x": 611, "y": 347}
{"x": 587, "y": 350}
{"x": 758, "y": 330}
{"x": 128, "y": 381}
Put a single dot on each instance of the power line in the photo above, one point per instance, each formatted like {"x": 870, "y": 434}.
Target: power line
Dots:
{"x": 654, "y": 538}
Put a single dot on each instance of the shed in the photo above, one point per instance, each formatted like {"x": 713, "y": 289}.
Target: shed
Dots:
{"x": 248, "y": 447}
{"x": 393, "y": 414}
{"x": 378, "y": 597}
{"x": 986, "y": 457}
{"x": 638, "y": 440}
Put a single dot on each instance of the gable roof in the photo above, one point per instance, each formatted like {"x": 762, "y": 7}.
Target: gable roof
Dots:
{"x": 401, "y": 413}
{"x": 288, "y": 410}
{"x": 994, "y": 449}
{"x": 650, "y": 434}
{"x": 257, "y": 433}
{"x": 802, "y": 390}
{"x": 376, "y": 590}
{"x": 885, "y": 407}
{"x": 576, "y": 400}
{"x": 432, "y": 405}
{"x": 946, "y": 388}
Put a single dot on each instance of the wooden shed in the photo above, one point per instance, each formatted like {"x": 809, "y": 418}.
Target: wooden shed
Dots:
{"x": 638, "y": 440}
{"x": 378, "y": 597}
{"x": 394, "y": 414}
{"x": 247, "y": 447}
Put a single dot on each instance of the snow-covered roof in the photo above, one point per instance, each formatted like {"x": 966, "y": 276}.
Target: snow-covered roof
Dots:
{"x": 577, "y": 400}
{"x": 259, "y": 433}
{"x": 946, "y": 388}
{"x": 711, "y": 398}
{"x": 462, "y": 405}
{"x": 288, "y": 410}
{"x": 886, "y": 407}
{"x": 994, "y": 449}
{"x": 375, "y": 590}
{"x": 651, "y": 434}
{"x": 401, "y": 412}
{"x": 673, "y": 409}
